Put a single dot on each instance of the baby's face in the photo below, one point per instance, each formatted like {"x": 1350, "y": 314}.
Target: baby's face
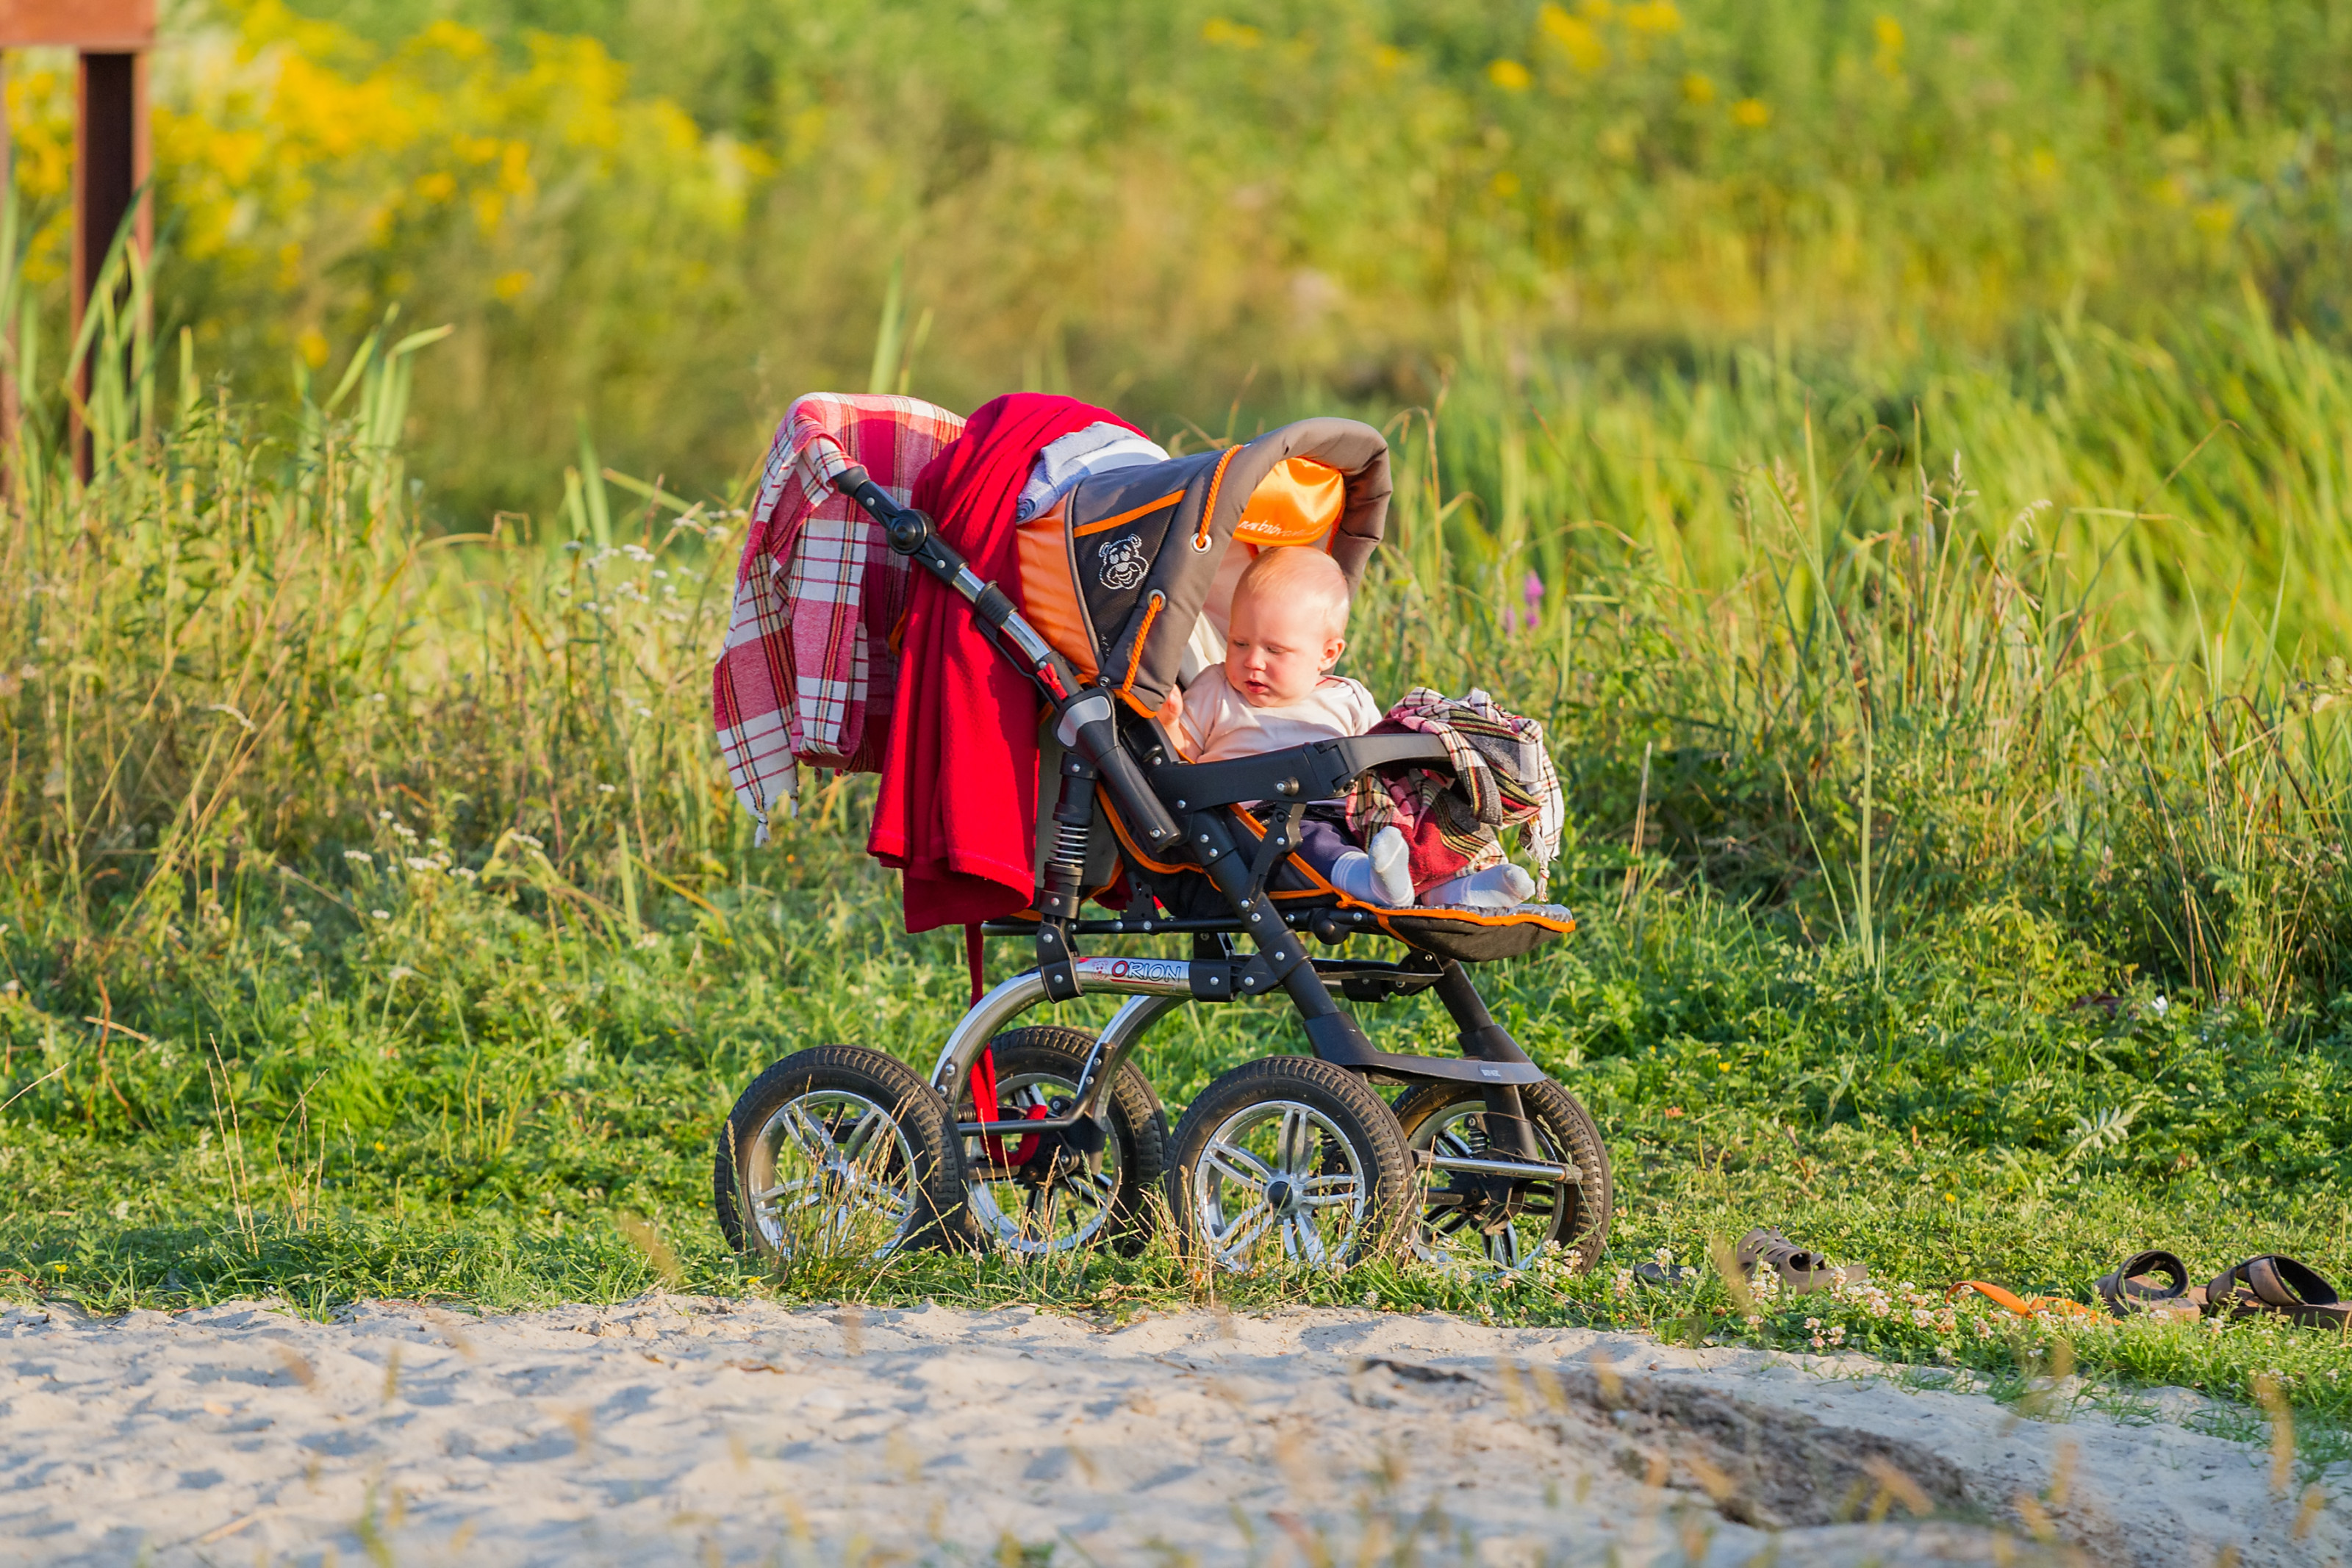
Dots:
{"x": 1277, "y": 649}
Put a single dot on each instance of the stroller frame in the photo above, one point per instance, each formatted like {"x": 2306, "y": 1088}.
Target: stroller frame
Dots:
{"x": 1097, "y": 760}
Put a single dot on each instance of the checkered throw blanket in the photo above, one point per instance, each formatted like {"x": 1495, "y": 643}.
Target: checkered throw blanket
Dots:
{"x": 1502, "y": 777}
{"x": 807, "y": 673}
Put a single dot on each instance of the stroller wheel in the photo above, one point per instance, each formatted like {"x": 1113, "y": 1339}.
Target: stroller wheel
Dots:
{"x": 837, "y": 1152}
{"x": 1291, "y": 1159}
{"x": 1490, "y": 1224}
{"x": 1050, "y": 1192}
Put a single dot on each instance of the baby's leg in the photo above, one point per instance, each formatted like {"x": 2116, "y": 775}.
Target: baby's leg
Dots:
{"x": 1379, "y": 876}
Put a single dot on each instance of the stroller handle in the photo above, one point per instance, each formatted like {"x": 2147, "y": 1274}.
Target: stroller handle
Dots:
{"x": 1084, "y": 715}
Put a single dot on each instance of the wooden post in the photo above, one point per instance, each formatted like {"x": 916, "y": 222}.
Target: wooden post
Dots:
{"x": 111, "y": 146}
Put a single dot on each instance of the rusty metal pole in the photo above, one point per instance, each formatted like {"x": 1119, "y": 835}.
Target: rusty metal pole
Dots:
{"x": 11, "y": 396}
{"x": 111, "y": 146}
{"x": 111, "y": 156}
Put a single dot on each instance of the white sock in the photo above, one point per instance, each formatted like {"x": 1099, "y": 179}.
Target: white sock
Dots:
{"x": 1393, "y": 867}
{"x": 1504, "y": 886}
{"x": 1354, "y": 873}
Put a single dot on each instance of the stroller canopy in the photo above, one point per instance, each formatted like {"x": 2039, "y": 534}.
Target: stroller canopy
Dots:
{"x": 1117, "y": 576}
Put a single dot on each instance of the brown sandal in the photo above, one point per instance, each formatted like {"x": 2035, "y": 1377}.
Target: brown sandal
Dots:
{"x": 1801, "y": 1272}
{"x": 2153, "y": 1282}
{"x": 2277, "y": 1286}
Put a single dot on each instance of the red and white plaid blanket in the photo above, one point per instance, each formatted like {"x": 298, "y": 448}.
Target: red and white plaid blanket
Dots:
{"x": 807, "y": 675}
{"x": 1502, "y": 778}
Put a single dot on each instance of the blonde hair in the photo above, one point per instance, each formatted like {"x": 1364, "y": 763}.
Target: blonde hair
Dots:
{"x": 1298, "y": 571}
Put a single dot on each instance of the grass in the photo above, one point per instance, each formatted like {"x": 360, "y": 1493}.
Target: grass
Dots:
{"x": 379, "y": 924}
{"x": 669, "y": 221}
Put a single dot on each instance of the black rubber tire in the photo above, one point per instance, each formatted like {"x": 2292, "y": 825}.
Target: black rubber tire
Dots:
{"x": 937, "y": 1184}
{"x": 1138, "y": 1125}
{"x": 1561, "y": 1120}
{"x": 1359, "y": 1115}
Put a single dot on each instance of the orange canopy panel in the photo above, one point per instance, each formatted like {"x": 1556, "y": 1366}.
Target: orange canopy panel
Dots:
{"x": 1295, "y": 505}
{"x": 101, "y": 26}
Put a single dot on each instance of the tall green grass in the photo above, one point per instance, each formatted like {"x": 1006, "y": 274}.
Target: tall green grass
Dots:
{"x": 670, "y": 219}
{"x": 1962, "y": 879}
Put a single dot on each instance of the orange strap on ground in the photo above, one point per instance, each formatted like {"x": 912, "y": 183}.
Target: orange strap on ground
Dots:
{"x": 2024, "y": 1307}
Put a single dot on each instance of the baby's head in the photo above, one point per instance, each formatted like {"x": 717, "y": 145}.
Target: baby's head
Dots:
{"x": 1290, "y": 611}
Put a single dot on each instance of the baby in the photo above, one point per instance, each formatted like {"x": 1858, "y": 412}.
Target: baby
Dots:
{"x": 1276, "y": 689}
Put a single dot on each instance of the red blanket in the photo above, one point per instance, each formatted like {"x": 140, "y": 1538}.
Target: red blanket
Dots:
{"x": 957, "y": 808}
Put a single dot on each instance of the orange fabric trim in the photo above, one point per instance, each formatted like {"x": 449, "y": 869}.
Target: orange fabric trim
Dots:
{"x": 1549, "y": 923}
{"x": 2024, "y": 1307}
{"x": 1049, "y": 597}
{"x": 1128, "y": 515}
{"x": 1209, "y": 509}
{"x": 1135, "y": 656}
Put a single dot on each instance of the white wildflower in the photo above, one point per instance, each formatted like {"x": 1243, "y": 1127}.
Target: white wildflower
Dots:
{"x": 380, "y": 914}
{"x": 358, "y": 857}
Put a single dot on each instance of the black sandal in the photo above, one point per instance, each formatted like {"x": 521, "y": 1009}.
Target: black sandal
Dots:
{"x": 2154, "y": 1283}
{"x": 2277, "y": 1286}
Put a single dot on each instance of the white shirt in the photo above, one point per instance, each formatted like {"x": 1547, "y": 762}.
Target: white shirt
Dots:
{"x": 1217, "y": 723}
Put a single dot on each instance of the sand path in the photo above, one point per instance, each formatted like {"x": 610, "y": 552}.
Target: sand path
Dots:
{"x": 688, "y": 1430}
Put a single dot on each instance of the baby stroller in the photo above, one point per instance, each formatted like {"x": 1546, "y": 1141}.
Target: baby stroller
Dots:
{"x": 1041, "y": 1138}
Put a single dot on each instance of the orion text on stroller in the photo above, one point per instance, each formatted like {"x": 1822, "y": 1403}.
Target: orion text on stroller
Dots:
{"x": 1042, "y": 1137}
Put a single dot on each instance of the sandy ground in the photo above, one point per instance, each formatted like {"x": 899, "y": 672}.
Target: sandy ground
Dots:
{"x": 677, "y": 1429}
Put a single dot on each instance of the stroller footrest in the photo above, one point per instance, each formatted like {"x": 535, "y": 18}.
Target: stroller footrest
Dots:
{"x": 1339, "y": 1039}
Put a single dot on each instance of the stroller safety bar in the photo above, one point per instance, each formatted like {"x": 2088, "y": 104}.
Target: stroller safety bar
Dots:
{"x": 1320, "y": 771}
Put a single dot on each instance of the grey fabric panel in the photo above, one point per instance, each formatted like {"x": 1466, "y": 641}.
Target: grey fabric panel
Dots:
{"x": 1117, "y": 569}
{"x": 1184, "y": 574}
